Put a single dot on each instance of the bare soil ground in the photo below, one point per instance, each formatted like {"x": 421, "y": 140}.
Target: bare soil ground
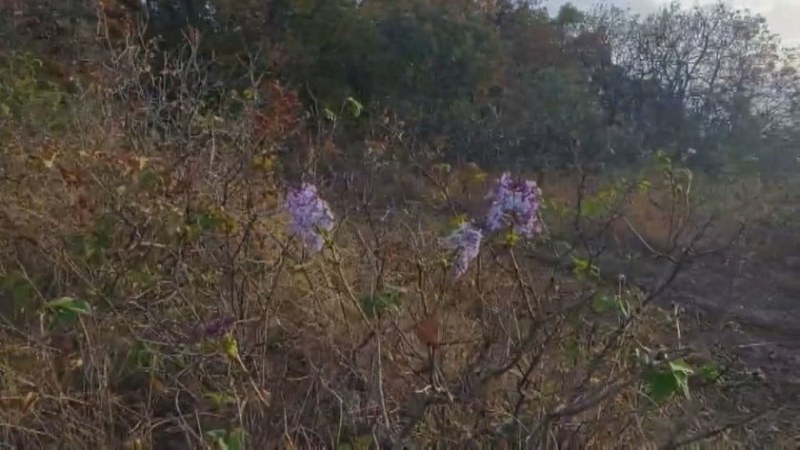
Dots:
{"x": 743, "y": 307}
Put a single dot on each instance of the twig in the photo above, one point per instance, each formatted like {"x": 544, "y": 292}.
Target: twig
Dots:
{"x": 672, "y": 444}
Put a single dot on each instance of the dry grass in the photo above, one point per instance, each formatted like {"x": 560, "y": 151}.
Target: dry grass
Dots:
{"x": 166, "y": 219}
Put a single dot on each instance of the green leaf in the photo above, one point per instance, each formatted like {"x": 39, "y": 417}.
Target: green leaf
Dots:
{"x": 22, "y": 292}
{"x": 582, "y": 267}
{"x": 456, "y": 222}
{"x": 660, "y": 385}
{"x": 18, "y": 290}
{"x": 709, "y": 372}
{"x": 375, "y": 305}
{"x": 227, "y": 440}
{"x": 662, "y": 382}
{"x": 355, "y": 106}
{"x": 511, "y": 238}
{"x": 603, "y": 303}
{"x": 137, "y": 356}
{"x": 219, "y": 400}
{"x": 70, "y": 304}
{"x": 101, "y": 240}
{"x": 230, "y": 346}
{"x": 680, "y": 366}
{"x": 206, "y": 221}
{"x": 65, "y": 310}
{"x": 681, "y": 371}
{"x": 592, "y": 208}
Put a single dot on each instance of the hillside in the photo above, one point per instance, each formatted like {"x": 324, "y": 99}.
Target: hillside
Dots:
{"x": 460, "y": 224}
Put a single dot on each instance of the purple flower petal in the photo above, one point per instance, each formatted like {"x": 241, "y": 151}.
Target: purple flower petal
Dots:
{"x": 213, "y": 329}
{"x": 515, "y": 203}
{"x": 310, "y": 215}
{"x": 466, "y": 241}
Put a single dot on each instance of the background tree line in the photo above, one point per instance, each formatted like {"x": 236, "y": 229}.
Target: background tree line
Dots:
{"x": 499, "y": 81}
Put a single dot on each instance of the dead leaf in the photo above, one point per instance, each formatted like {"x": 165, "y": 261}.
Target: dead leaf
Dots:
{"x": 428, "y": 331}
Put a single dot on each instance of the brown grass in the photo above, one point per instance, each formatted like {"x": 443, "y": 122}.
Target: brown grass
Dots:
{"x": 162, "y": 231}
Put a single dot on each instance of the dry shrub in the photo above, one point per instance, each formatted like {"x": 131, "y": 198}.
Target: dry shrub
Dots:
{"x": 184, "y": 314}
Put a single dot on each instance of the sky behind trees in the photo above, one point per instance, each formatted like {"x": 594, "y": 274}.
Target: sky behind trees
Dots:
{"x": 781, "y": 14}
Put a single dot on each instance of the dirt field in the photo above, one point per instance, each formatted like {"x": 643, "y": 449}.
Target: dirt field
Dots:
{"x": 742, "y": 308}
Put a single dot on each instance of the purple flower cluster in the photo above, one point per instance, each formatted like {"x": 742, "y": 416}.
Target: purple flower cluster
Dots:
{"x": 515, "y": 203}
{"x": 466, "y": 241}
{"x": 310, "y": 215}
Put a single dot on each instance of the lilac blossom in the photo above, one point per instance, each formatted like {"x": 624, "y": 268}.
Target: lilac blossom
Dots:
{"x": 466, "y": 241}
{"x": 515, "y": 203}
{"x": 214, "y": 329}
{"x": 310, "y": 215}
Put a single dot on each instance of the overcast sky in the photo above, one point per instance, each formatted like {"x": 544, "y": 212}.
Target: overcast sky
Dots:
{"x": 783, "y": 15}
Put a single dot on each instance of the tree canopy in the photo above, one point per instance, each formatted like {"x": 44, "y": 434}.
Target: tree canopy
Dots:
{"x": 493, "y": 81}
